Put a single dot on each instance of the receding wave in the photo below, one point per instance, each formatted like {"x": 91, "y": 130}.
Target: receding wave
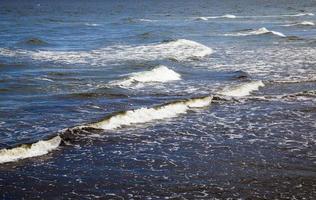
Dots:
{"x": 179, "y": 50}
{"x": 39, "y": 148}
{"x": 144, "y": 115}
{"x": 260, "y": 31}
{"x": 159, "y": 74}
{"x": 303, "y": 23}
{"x": 242, "y": 89}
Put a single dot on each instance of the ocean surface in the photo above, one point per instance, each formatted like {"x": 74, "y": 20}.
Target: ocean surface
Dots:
{"x": 158, "y": 99}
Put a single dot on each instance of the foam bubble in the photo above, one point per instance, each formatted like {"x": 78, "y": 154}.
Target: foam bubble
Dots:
{"x": 39, "y": 148}
{"x": 144, "y": 115}
{"x": 242, "y": 89}
{"x": 159, "y": 74}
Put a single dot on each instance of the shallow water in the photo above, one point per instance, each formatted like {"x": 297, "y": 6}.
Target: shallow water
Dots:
{"x": 152, "y": 100}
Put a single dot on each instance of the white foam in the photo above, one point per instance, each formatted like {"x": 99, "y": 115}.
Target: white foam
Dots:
{"x": 39, "y": 148}
{"x": 180, "y": 50}
{"x": 144, "y": 115}
{"x": 303, "y": 23}
{"x": 242, "y": 89}
{"x": 159, "y": 74}
{"x": 259, "y": 31}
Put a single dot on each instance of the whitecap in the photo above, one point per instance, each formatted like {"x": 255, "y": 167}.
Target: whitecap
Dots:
{"x": 228, "y": 16}
{"x": 241, "y": 90}
{"x": 91, "y": 24}
{"x": 259, "y": 31}
{"x": 159, "y": 74}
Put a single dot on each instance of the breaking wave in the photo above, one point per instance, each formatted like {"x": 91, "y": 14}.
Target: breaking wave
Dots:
{"x": 144, "y": 115}
{"x": 260, "y": 31}
{"x": 159, "y": 74}
{"x": 39, "y": 148}
{"x": 242, "y": 89}
{"x": 138, "y": 116}
{"x": 179, "y": 50}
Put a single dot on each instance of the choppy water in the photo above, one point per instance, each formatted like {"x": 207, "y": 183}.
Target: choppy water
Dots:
{"x": 153, "y": 100}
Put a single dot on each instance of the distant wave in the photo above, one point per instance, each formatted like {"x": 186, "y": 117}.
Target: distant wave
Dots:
{"x": 241, "y": 90}
{"x": 178, "y": 50}
{"x": 259, "y": 31}
{"x": 91, "y": 24}
{"x": 34, "y": 42}
{"x": 228, "y": 16}
{"x": 295, "y": 80}
{"x": 303, "y": 23}
{"x": 299, "y": 15}
{"x": 39, "y": 148}
{"x": 159, "y": 74}
{"x": 147, "y": 20}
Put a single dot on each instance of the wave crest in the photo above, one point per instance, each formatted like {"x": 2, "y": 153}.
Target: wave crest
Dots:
{"x": 144, "y": 115}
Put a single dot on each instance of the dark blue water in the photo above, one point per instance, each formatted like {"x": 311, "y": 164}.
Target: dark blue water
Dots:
{"x": 64, "y": 65}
